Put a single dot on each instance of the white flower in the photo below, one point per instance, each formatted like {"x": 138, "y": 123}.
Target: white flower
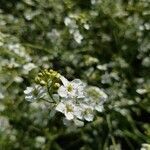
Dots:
{"x": 145, "y": 146}
{"x": 96, "y": 97}
{"x": 73, "y": 89}
{"x": 67, "y": 21}
{"x": 78, "y": 112}
{"x": 34, "y": 92}
{"x": 4, "y": 123}
{"x": 18, "y": 79}
{"x": 67, "y": 109}
{"x": 70, "y": 23}
{"x": 28, "y": 67}
{"x": 141, "y": 91}
{"x": 78, "y": 123}
{"x": 75, "y": 121}
{"x": 1, "y": 95}
{"x": 53, "y": 35}
{"x": 99, "y": 107}
{"x": 86, "y": 26}
{"x": 77, "y": 37}
{"x": 87, "y": 112}
{"x": 39, "y": 141}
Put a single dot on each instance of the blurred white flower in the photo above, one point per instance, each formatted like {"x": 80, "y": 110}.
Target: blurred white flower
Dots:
{"x": 53, "y": 35}
{"x": 1, "y": 95}
{"x": 77, "y": 37}
{"x": 28, "y": 67}
{"x": 39, "y": 141}
{"x": 67, "y": 21}
{"x": 18, "y": 49}
{"x": 18, "y": 79}
{"x": 12, "y": 63}
{"x": 145, "y": 146}
{"x": 78, "y": 123}
{"x": 87, "y": 112}
{"x": 102, "y": 67}
{"x": 70, "y": 23}
{"x": 2, "y": 107}
{"x": 96, "y": 97}
{"x": 141, "y": 91}
{"x": 34, "y": 92}
{"x": 4, "y": 123}
{"x": 86, "y": 26}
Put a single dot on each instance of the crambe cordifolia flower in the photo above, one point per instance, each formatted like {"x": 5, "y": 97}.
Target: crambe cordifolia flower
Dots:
{"x": 96, "y": 97}
{"x": 34, "y": 92}
{"x": 73, "y": 89}
{"x": 67, "y": 109}
{"x": 28, "y": 67}
{"x": 77, "y": 101}
{"x": 87, "y": 112}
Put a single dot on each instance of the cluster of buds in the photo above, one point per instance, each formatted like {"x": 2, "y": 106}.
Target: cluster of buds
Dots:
{"x": 49, "y": 78}
{"x": 75, "y": 99}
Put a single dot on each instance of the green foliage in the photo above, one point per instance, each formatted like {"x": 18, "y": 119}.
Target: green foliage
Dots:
{"x": 102, "y": 42}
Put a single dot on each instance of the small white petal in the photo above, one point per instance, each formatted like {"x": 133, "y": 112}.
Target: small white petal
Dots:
{"x": 78, "y": 123}
{"x": 141, "y": 91}
{"x": 99, "y": 108}
{"x": 60, "y": 107}
{"x": 62, "y": 91}
{"x": 30, "y": 98}
{"x": 89, "y": 117}
{"x": 64, "y": 80}
{"x": 69, "y": 115}
{"x": 28, "y": 90}
{"x": 103, "y": 94}
{"x": 77, "y": 81}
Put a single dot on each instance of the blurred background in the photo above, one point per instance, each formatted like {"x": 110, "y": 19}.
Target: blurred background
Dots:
{"x": 102, "y": 42}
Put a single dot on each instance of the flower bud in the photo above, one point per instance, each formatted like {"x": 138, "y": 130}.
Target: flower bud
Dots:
{"x": 40, "y": 74}
{"x": 37, "y": 79}
{"x": 48, "y": 74}
{"x": 58, "y": 75}
{"x": 42, "y": 82}
{"x": 56, "y": 85}
{"x": 51, "y": 71}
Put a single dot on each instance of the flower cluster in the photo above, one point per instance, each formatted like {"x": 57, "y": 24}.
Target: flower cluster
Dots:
{"x": 76, "y": 100}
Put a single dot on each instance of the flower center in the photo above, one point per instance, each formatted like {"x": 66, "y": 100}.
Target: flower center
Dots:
{"x": 87, "y": 111}
{"x": 35, "y": 92}
{"x": 69, "y": 88}
{"x": 69, "y": 108}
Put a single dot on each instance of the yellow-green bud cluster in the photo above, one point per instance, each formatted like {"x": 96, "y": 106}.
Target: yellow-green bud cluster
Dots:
{"x": 48, "y": 78}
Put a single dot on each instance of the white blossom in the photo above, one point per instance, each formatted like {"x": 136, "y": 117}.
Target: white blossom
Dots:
{"x": 88, "y": 112}
{"x": 96, "y": 97}
{"x": 4, "y": 123}
{"x": 1, "y": 95}
{"x": 73, "y": 89}
{"x": 70, "y": 23}
{"x": 28, "y": 67}
{"x": 141, "y": 91}
{"x": 145, "y": 146}
{"x": 67, "y": 109}
{"x": 34, "y": 92}
{"x": 74, "y": 99}
{"x": 77, "y": 37}
{"x": 39, "y": 141}
{"x": 78, "y": 123}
